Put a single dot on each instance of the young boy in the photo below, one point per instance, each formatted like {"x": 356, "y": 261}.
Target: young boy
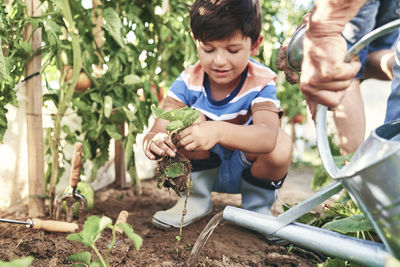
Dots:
{"x": 236, "y": 146}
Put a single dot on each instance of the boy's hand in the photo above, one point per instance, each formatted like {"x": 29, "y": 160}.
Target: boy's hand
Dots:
{"x": 158, "y": 146}
{"x": 199, "y": 136}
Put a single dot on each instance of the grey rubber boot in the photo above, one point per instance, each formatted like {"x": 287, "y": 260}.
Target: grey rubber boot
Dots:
{"x": 257, "y": 199}
{"x": 198, "y": 204}
{"x": 258, "y": 195}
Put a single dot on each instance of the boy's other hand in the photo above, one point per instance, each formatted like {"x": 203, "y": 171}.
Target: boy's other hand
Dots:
{"x": 199, "y": 137}
{"x": 158, "y": 146}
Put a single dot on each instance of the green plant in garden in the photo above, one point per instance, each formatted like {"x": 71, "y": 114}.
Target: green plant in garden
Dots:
{"x": 14, "y": 55}
{"x": 175, "y": 172}
{"x": 20, "y": 262}
{"x": 170, "y": 171}
{"x": 91, "y": 232}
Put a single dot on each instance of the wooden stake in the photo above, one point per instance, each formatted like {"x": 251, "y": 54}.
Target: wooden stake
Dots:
{"x": 34, "y": 118}
{"x": 120, "y": 172}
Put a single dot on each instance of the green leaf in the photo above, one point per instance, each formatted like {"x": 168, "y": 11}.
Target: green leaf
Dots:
{"x": 335, "y": 262}
{"x": 132, "y": 79}
{"x": 81, "y": 105}
{"x": 113, "y": 24}
{"x": 353, "y": 224}
{"x": 79, "y": 265}
{"x": 20, "y": 262}
{"x": 83, "y": 256}
{"x": 130, "y": 114}
{"x": 96, "y": 263}
{"x": 135, "y": 238}
{"x": 3, "y": 67}
{"x": 26, "y": 46}
{"x": 113, "y": 132}
{"x": 108, "y": 105}
{"x": 53, "y": 30}
{"x": 175, "y": 170}
{"x": 91, "y": 230}
{"x": 95, "y": 97}
{"x": 189, "y": 117}
{"x": 175, "y": 126}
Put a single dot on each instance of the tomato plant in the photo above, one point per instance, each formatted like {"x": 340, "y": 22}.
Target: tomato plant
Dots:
{"x": 123, "y": 47}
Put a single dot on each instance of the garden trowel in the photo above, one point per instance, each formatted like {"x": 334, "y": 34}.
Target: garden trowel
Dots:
{"x": 48, "y": 225}
{"x": 72, "y": 196}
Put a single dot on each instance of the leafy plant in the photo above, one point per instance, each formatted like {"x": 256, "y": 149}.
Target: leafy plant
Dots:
{"x": 91, "y": 232}
{"x": 175, "y": 172}
{"x": 178, "y": 119}
{"x": 20, "y": 262}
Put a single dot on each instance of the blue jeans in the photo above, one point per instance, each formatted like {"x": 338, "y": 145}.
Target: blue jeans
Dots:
{"x": 373, "y": 14}
{"x": 393, "y": 103}
{"x": 230, "y": 171}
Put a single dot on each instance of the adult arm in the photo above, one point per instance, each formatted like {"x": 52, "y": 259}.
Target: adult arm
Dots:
{"x": 324, "y": 73}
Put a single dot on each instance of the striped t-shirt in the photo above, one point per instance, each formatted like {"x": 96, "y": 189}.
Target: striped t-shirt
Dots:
{"x": 256, "y": 91}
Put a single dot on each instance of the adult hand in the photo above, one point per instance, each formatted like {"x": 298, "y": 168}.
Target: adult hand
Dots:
{"x": 324, "y": 73}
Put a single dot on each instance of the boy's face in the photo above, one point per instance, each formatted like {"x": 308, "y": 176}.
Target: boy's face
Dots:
{"x": 225, "y": 60}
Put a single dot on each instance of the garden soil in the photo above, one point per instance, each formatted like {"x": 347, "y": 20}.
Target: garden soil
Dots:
{"x": 229, "y": 245}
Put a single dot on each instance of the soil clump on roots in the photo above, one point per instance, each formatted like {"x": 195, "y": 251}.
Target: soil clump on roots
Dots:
{"x": 179, "y": 184}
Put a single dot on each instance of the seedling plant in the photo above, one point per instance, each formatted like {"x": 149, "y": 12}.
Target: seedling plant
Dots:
{"x": 175, "y": 172}
{"x": 91, "y": 232}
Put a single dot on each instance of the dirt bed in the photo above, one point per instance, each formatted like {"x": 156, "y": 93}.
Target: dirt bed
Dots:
{"x": 229, "y": 245}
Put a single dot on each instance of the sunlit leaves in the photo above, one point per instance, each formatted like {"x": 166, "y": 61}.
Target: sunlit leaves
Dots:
{"x": 113, "y": 24}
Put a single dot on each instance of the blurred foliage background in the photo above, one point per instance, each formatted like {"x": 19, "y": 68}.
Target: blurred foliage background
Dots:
{"x": 131, "y": 51}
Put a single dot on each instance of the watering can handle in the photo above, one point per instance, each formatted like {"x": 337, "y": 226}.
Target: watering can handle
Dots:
{"x": 323, "y": 143}
{"x": 322, "y": 138}
{"x": 76, "y": 165}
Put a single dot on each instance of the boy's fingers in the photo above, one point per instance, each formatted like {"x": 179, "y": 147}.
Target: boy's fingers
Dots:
{"x": 161, "y": 148}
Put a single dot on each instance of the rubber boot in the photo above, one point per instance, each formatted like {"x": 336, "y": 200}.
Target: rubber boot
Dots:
{"x": 198, "y": 203}
{"x": 258, "y": 195}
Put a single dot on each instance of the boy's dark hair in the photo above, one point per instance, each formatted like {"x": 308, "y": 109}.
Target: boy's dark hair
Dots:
{"x": 212, "y": 20}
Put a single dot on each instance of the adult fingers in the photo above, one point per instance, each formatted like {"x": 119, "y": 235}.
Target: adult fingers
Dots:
{"x": 331, "y": 99}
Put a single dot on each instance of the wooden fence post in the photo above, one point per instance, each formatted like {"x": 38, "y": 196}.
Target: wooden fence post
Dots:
{"x": 119, "y": 161}
{"x": 34, "y": 118}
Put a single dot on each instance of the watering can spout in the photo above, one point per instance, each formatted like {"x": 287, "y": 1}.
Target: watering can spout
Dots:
{"x": 364, "y": 252}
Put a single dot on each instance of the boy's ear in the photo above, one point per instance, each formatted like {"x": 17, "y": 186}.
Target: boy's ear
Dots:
{"x": 256, "y": 46}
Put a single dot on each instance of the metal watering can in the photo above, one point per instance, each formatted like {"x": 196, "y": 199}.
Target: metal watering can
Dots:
{"x": 372, "y": 179}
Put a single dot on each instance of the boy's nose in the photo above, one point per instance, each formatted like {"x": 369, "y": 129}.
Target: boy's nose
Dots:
{"x": 220, "y": 59}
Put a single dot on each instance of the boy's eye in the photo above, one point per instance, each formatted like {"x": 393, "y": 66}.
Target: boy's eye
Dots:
{"x": 233, "y": 51}
{"x": 209, "y": 50}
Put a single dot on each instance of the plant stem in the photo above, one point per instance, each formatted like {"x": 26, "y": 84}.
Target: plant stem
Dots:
{"x": 64, "y": 99}
{"x": 105, "y": 264}
{"x": 112, "y": 243}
